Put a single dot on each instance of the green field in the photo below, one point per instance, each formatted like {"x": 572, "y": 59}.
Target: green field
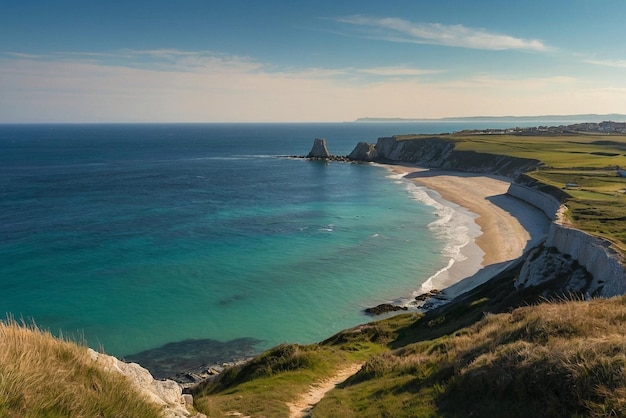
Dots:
{"x": 584, "y": 166}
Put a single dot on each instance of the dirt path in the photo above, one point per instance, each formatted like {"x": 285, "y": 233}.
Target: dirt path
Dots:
{"x": 302, "y": 406}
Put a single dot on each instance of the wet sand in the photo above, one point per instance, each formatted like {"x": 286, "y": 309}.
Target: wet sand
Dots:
{"x": 508, "y": 225}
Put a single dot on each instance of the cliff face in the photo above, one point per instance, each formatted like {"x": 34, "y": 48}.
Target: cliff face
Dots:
{"x": 437, "y": 152}
{"x": 566, "y": 250}
{"x": 595, "y": 254}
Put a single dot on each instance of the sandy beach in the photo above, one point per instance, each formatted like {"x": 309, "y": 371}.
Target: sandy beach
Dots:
{"x": 508, "y": 225}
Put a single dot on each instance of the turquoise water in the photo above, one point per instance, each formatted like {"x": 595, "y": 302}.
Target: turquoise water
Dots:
{"x": 136, "y": 236}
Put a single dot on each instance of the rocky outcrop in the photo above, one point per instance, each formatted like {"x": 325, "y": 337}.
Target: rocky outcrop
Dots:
{"x": 363, "y": 151}
{"x": 166, "y": 393}
{"x": 439, "y": 152}
{"x": 319, "y": 149}
{"x": 384, "y": 308}
{"x": 562, "y": 271}
{"x": 426, "y": 152}
{"x": 595, "y": 254}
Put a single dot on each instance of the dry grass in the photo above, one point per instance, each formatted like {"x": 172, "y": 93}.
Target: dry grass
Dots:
{"x": 42, "y": 376}
{"x": 551, "y": 360}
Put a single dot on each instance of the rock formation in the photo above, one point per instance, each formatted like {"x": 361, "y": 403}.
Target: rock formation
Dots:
{"x": 363, "y": 152}
{"x": 319, "y": 149}
{"x": 384, "y": 308}
{"x": 439, "y": 152}
{"x": 166, "y": 393}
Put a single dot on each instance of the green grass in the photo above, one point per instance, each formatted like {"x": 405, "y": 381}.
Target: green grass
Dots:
{"x": 605, "y": 218}
{"x": 550, "y": 360}
{"x": 263, "y": 386}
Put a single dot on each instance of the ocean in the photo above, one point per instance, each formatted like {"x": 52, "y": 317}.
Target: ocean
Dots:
{"x": 209, "y": 240}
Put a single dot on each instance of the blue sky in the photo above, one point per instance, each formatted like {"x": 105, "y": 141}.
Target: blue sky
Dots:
{"x": 296, "y": 61}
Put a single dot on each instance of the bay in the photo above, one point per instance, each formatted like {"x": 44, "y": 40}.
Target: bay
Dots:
{"x": 137, "y": 236}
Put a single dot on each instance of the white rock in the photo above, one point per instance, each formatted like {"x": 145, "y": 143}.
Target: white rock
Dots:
{"x": 166, "y": 393}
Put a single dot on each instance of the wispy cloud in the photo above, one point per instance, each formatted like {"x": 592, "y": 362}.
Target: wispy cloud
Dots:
{"x": 156, "y": 59}
{"x": 401, "y": 30}
{"x": 360, "y": 73}
{"x": 398, "y": 71}
{"x": 216, "y": 62}
{"x": 608, "y": 63}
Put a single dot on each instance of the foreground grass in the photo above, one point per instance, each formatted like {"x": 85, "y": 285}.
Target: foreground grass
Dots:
{"x": 550, "y": 360}
{"x": 41, "y": 376}
{"x": 264, "y": 386}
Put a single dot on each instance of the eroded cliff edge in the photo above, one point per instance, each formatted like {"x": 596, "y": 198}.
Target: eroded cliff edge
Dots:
{"x": 439, "y": 152}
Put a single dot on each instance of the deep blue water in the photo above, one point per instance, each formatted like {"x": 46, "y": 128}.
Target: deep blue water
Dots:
{"x": 136, "y": 236}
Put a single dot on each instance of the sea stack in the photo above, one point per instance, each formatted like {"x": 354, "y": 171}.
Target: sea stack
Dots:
{"x": 319, "y": 149}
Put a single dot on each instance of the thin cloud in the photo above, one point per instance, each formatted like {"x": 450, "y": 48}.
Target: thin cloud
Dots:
{"x": 398, "y": 71}
{"x": 355, "y": 72}
{"x": 608, "y": 63}
{"x": 400, "y": 30}
{"x": 22, "y": 55}
{"x": 158, "y": 60}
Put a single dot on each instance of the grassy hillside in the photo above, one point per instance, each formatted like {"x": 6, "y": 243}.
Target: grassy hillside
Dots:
{"x": 550, "y": 360}
{"x": 494, "y": 352}
{"x": 41, "y": 376}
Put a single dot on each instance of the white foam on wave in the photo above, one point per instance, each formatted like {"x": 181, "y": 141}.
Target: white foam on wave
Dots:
{"x": 456, "y": 228}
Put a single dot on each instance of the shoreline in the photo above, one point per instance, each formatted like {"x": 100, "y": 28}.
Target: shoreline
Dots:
{"x": 507, "y": 225}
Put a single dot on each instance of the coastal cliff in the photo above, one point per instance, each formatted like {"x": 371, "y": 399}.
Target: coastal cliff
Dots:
{"x": 438, "y": 152}
{"x": 565, "y": 246}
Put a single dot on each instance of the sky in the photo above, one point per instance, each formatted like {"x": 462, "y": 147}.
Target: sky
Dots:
{"x": 314, "y": 61}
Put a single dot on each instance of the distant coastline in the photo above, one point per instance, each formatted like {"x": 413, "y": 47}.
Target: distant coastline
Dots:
{"x": 591, "y": 117}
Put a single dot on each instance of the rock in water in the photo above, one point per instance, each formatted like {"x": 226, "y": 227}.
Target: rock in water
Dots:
{"x": 319, "y": 149}
{"x": 384, "y": 308}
